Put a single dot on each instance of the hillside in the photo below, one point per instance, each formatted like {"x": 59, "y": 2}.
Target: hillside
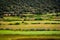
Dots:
{"x": 32, "y": 6}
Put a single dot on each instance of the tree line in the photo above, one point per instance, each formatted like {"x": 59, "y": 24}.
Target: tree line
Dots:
{"x": 32, "y": 6}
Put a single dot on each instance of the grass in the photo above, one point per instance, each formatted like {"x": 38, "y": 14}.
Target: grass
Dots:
{"x": 29, "y": 22}
{"x": 16, "y": 23}
{"x": 30, "y": 32}
{"x": 9, "y": 19}
{"x": 19, "y": 37}
{"x": 35, "y": 17}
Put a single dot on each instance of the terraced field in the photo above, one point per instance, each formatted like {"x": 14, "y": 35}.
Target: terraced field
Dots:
{"x": 17, "y": 34}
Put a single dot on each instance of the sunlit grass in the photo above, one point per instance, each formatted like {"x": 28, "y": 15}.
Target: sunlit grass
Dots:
{"x": 30, "y": 32}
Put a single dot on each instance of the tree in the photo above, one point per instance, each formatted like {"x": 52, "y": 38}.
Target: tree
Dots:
{"x": 1, "y": 15}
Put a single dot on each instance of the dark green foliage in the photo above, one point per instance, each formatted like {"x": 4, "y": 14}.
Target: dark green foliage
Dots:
{"x": 22, "y": 21}
{"x": 17, "y": 23}
{"x": 55, "y": 23}
{"x": 32, "y": 6}
{"x": 51, "y": 23}
{"x": 35, "y": 23}
{"x": 38, "y": 19}
{"x": 1, "y": 16}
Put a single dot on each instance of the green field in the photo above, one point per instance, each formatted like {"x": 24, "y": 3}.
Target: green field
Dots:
{"x": 29, "y": 35}
{"x": 30, "y": 32}
{"x": 15, "y": 28}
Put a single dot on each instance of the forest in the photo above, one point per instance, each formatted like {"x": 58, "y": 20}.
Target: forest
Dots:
{"x": 29, "y": 6}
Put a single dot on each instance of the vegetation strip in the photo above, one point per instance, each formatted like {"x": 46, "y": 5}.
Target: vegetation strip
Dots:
{"x": 30, "y": 32}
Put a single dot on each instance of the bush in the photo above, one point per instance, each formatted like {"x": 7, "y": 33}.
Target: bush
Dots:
{"x": 38, "y": 19}
{"x": 35, "y": 23}
{"x": 22, "y": 21}
{"x": 17, "y": 23}
{"x": 55, "y": 23}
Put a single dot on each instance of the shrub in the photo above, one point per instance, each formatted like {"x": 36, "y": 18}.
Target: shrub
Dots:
{"x": 22, "y": 21}
{"x": 38, "y": 19}
{"x": 17, "y": 23}
{"x": 35, "y": 23}
{"x": 55, "y": 23}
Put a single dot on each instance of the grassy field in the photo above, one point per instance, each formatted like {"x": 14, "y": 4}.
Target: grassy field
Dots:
{"x": 32, "y": 17}
{"x": 15, "y": 23}
{"x": 31, "y": 24}
{"x": 29, "y": 35}
{"x": 18, "y": 37}
{"x": 30, "y": 32}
